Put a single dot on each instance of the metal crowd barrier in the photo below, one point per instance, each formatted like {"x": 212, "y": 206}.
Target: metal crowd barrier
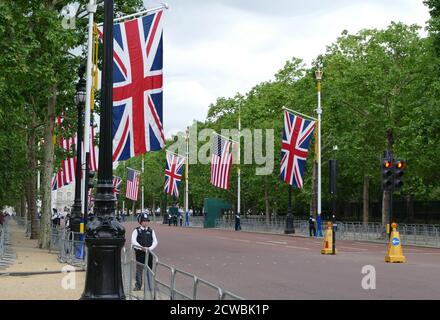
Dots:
{"x": 411, "y": 234}
{"x": 162, "y": 282}
{"x": 2, "y": 239}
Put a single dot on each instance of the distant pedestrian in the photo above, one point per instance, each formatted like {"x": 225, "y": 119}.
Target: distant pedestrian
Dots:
{"x": 312, "y": 228}
{"x": 2, "y": 218}
{"x": 143, "y": 240}
{"x": 56, "y": 220}
{"x": 237, "y": 222}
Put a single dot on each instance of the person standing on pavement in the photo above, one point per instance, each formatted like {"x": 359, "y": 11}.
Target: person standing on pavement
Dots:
{"x": 312, "y": 228}
{"x": 237, "y": 222}
{"x": 143, "y": 240}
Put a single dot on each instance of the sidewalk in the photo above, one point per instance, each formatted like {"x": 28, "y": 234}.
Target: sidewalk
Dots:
{"x": 35, "y": 274}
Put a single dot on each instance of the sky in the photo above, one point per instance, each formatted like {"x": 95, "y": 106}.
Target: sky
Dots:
{"x": 216, "y": 48}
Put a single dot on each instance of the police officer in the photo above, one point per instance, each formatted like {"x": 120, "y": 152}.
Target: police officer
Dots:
{"x": 312, "y": 228}
{"x": 237, "y": 222}
{"x": 145, "y": 238}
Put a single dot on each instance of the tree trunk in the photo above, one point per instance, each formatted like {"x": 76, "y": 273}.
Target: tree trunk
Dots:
{"x": 266, "y": 200}
{"x": 46, "y": 183}
{"x": 366, "y": 198}
{"x": 23, "y": 212}
{"x": 32, "y": 183}
{"x": 314, "y": 201}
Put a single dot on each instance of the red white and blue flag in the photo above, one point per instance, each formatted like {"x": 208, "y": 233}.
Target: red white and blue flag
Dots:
{"x": 66, "y": 173}
{"x": 173, "y": 173}
{"x": 132, "y": 184}
{"x": 116, "y": 184}
{"x": 137, "y": 86}
{"x": 221, "y": 162}
{"x": 296, "y": 140}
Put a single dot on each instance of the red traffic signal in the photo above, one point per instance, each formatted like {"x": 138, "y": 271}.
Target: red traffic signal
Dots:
{"x": 387, "y": 174}
{"x": 400, "y": 167}
{"x": 400, "y": 164}
{"x": 387, "y": 164}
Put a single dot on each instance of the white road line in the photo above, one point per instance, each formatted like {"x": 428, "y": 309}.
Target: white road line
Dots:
{"x": 293, "y": 247}
{"x": 269, "y": 244}
{"x": 278, "y": 242}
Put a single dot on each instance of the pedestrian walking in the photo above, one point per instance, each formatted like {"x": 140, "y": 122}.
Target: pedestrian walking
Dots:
{"x": 312, "y": 228}
{"x": 143, "y": 240}
{"x": 56, "y": 220}
{"x": 237, "y": 222}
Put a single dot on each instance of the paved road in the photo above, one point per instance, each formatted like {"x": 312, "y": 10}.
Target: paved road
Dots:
{"x": 268, "y": 266}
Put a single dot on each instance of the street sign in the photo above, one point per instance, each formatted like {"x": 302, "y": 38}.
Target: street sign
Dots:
{"x": 395, "y": 241}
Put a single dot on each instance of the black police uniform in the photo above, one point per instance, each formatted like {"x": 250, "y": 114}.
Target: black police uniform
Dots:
{"x": 312, "y": 229}
{"x": 145, "y": 239}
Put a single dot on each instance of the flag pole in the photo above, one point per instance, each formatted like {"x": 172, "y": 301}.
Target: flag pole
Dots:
{"x": 176, "y": 154}
{"x": 299, "y": 113}
{"x": 91, "y": 9}
{"x": 318, "y": 75}
{"x": 140, "y": 13}
{"x": 187, "y": 177}
{"x": 233, "y": 141}
{"x": 142, "y": 198}
{"x": 238, "y": 168}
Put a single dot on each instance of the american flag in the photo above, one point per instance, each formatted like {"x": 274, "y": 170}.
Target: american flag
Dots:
{"x": 296, "y": 139}
{"x": 116, "y": 184}
{"x": 66, "y": 173}
{"x": 137, "y": 86}
{"x": 221, "y": 162}
{"x": 173, "y": 173}
{"x": 132, "y": 184}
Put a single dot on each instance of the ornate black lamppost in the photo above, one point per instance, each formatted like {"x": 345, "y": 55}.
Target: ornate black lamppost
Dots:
{"x": 105, "y": 236}
{"x": 80, "y": 99}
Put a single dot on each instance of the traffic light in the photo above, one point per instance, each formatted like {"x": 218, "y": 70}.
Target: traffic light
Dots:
{"x": 399, "y": 170}
{"x": 387, "y": 174}
{"x": 91, "y": 182}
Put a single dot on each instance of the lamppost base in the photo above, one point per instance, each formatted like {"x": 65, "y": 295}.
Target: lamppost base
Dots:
{"x": 104, "y": 241}
{"x": 290, "y": 229}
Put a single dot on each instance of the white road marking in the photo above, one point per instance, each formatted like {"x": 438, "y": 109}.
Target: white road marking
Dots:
{"x": 269, "y": 244}
{"x": 278, "y": 242}
{"x": 293, "y": 247}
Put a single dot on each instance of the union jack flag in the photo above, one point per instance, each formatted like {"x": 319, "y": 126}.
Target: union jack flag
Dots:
{"x": 296, "y": 139}
{"x": 137, "y": 87}
{"x": 116, "y": 184}
{"x": 173, "y": 173}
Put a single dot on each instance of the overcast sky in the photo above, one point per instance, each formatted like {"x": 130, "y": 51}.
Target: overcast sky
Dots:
{"x": 216, "y": 48}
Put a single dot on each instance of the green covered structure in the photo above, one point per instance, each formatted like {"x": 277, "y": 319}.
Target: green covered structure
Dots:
{"x": 212, "y": 210}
